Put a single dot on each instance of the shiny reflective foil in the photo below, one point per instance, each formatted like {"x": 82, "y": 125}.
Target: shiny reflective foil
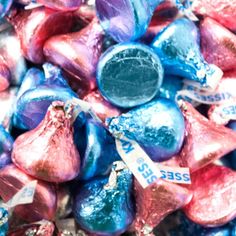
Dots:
{"x": 157, "y": 201}
{"x": 6, "y": 144}
{"x": 36, "y": 95}
{"x": 171, "y": 85}
{"x": 35, "y": 26}
{"x": 218, "y": 44}
{"x": 78, "y": 52}
{"x": 205, "y": 141}
{"x": 42, "y": 152}
{"x": 13, "y": 179}
{"x": 5, "y": 76}
{"x": 100, "y": 106}
{"x": 129, "y": 74}
{"x": 7, "y": 102}
{"x": 63, "y": 5}
{"x": 158, "y": 127}
{"x": 223, "y": 11}
{"x": 104, "y": 206}
{"x": 41, "y": 228}
{"x": 10, "y": 51}
{"x": 3, "y": 221}
{"x": 214, "y": 196}
{"x": 125, "y": 20}
{"x": 98, "y": 152}
{"x": 181, "y": 56}
{"x": 4, "y": 7}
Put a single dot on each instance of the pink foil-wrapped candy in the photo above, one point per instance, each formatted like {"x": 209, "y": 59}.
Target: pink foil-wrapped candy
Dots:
{"x": 223, "y": 11}
{"x": 218, "y": 44}
{"x": 44, "y": 205}
{"x": 101, "y": 107}
{"x": 35, "y": 26}
{"x": 214, "y": 196}
{"x": 221, "y": 113}
{"x": 155, "y": 202}
{"x": 77, "y": 53}
{"x": 205, "y": 141}
{"x": 48, "y": 152}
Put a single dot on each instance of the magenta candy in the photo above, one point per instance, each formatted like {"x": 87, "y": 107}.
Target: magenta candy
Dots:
{"x": 35, "y": 26}
{"x": 13, "y": 179}
{"x": 223, "y": 11}
{"x": 77, "y": 53}
{"x": 218, "y": 44}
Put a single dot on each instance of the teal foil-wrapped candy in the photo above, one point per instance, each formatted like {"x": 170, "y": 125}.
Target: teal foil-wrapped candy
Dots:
{"x": 177, "y": 45}
{"x": 104, "y": 206}
{"x": 158, "y": 126}
{"x": 4, "y": 7}
{"x": 3, "y": 221}
{"x": 170, "y": 86}
{"x": 97, "y": 149}
{"x": 129, "y": 74}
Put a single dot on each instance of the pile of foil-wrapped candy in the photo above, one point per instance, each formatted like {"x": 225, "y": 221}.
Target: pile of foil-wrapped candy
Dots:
{"x": 117, "y": 117}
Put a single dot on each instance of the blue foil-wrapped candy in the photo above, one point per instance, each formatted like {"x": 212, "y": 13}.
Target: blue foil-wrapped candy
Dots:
{"x": 6, "y": 144}
{"x": 32, "y": 106}
{"x": 32, "y": 78}
{"x": 104, "y": 206}
{"x": 97, "y": 149}
{"x": 181, "y": 55}
{"x": 4, "y": 7}
{"x": 170, "y": 86}
{"x": 158, "y": 126}
{"x": 3, "y": 221}
{"x": 125, "y": 20}
{"x": 129, "y": 74}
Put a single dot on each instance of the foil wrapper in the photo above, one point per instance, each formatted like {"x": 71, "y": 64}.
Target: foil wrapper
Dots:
{"x": 6, "y": 144}
{"x": 104, "y": 206}
{"x": 182, "y": 56}
{"x": 158, "y": 126}
{"x": 129, "y": 74}
{"x": 11, "y": 54}
{"x": 213, "y": 203}
{"x": 37, "y": 95}
{"x": 4, "y": 7}
{"x": 128, "y": 20}
{"x": 5, "y": 76}
{"x": 41, "y": 228}
{"x": 205, "y": 141}
{"x": 64, "y": 5}
{"x": 64, "y": 202}
{"x": 35, "y": 26}
{"x": 170, "y": 87}
{"x": 7, "y": 102}
{"x": 78, "y": 52}
{"x": 98, "y": 150}
{"x": 223, "y": 11}
{"x": 3, "y": 221}
{"x": 218, "y": 44}
{"x": 100, "y": 106}
{"x": 51, "y": 161}
{"x": 155, "y": 202}
{"x": 13, "y": 179}
{"x": 86, "y": 12}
